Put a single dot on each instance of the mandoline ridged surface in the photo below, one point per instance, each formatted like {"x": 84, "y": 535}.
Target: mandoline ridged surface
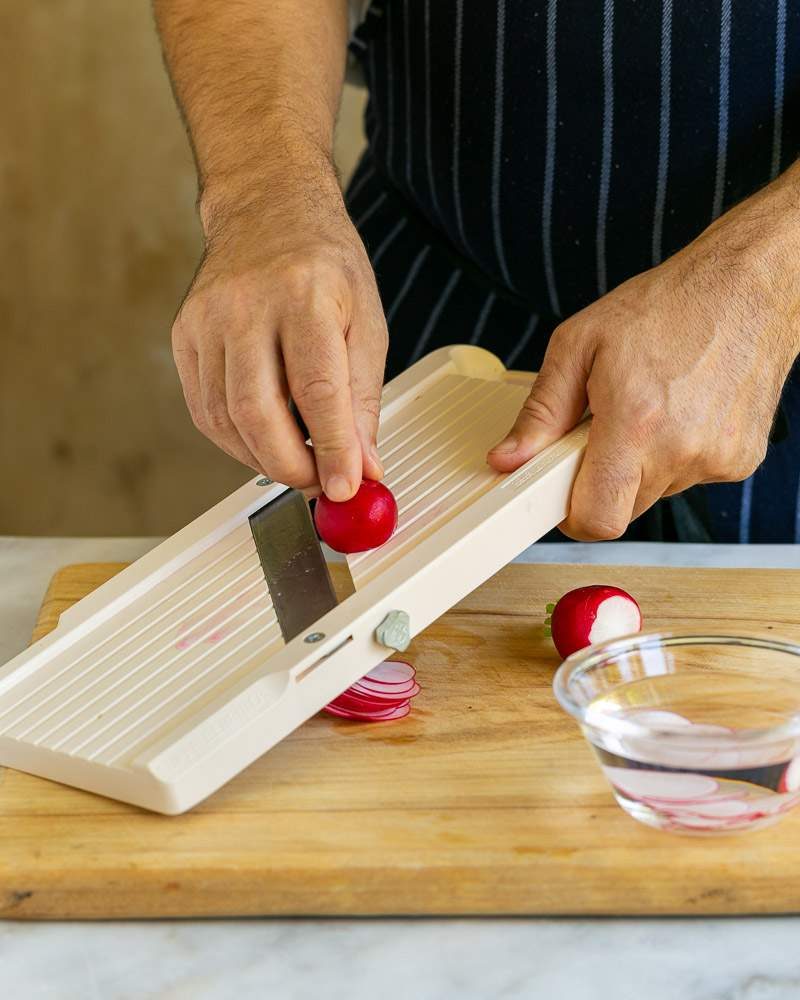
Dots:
{"x": 157, "y": 662}
{"x": 167, "y": 654}
{"x": 434, "y": 454}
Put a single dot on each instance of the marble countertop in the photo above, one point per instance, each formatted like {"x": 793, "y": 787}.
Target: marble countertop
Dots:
{"x": 423, "y": 959}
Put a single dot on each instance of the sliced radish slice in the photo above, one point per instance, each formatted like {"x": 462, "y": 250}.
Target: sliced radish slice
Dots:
{"x": 350, "y": 700}
{"x": 399, "y": 712}
{"x": 661, "y": 785}
{"x": 659, "y": 717}
{"x": 719, "y": 808}
{"x": 382, "y": 695}
{"x": 699, "y": 823}
{"x": 391, "y": 672}
{"x": 399, "y": 694}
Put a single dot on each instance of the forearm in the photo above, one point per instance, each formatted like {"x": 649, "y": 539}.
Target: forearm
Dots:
{"x": 259, "y": 84}
{"x": 754, "y": 249}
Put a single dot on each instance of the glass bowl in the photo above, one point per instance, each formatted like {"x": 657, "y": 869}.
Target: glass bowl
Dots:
{"x": 697, "y": 734}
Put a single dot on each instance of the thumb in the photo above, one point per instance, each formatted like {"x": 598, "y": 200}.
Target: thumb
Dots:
{"x": 367, "y": 343}
{"x": 556, "y": 403}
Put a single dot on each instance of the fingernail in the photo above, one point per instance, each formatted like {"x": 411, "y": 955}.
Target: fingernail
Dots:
{"x": 337, "y": 488}
{"x": 506, "y": 447}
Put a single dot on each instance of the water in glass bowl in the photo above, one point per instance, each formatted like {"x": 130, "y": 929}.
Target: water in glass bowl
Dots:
{"x": 692, "y": 753}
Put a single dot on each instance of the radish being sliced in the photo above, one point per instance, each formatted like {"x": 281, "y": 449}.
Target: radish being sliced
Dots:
{"x": 592, "y": 614}
{"x": 363, "y": 522}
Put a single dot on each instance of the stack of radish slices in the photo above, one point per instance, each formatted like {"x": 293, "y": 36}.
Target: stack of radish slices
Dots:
{"x": 382, "y": 695}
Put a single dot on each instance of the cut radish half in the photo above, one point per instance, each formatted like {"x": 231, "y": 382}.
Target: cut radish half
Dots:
{"x": 592, "y": 614}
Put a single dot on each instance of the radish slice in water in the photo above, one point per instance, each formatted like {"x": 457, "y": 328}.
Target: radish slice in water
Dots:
{"x": 790, "y": 780}
{"x": 662, "y": 785}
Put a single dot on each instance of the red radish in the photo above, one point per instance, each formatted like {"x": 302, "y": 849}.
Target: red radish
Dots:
{"x": 363, "y": 522}
{"x": 592, "y": 614}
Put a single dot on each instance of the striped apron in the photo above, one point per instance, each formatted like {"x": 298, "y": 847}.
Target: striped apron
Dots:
{"x": 526, "y": 156}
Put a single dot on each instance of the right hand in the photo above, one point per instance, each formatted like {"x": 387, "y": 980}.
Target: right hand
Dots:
{"x": 285, "y": 306}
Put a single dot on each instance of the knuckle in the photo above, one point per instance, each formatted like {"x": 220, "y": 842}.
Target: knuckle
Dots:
{"x": 371, "y": 405}
{"x": 606, "y": 531}
{"x": 217, "y": 417}
{"x": 748, "y": 463}
{"x": 198, "y": 418}
{"x": 315, "y": 392}
{"x": 643, "y": 416}
{"x": 561, "y": 336}
{"x": 600, "y": 529}
{"x": 333, "y": 445}
{"x": 287, "y": 472}
{"x": 540, "y": 406}
{"x": 302, "y": 277}
{"x": 247, "y": 411}
{"x": 689, "y": 448}
{"x": 735, "y": 464}
{"x": 180, "y": 333}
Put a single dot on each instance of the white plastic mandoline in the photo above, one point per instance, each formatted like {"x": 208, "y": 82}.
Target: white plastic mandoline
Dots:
{"x": 172, "y": 677}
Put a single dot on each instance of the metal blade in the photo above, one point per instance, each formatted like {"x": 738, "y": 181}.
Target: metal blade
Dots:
{"x": 293, "y": 564}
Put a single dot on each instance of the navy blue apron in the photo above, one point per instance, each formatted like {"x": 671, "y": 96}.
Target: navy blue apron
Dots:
{"x": 526, "y": 156}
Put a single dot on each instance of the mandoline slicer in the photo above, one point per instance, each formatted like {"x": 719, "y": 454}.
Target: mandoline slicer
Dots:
{"x": 172, "y": 677}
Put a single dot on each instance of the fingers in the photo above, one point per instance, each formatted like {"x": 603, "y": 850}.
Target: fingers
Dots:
{"x": 215, "y": 419}
{"x": 367, "y": 342}
{"x": 555, "y": 405}
{"x": 319, "y": 383}
{"x": 258, "y": 404}
{"x": 607, "y": 485}
{"x": 650, "y": 492}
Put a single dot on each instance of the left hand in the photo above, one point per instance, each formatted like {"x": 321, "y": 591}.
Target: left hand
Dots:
{"x": 682, "y": 368}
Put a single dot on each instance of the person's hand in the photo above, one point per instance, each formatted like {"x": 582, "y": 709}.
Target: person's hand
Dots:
{"x": 285, "y": 306}
{"x": 682, "y": 368}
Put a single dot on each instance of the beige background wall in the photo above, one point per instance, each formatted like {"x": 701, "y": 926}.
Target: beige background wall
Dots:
{"x": 98, "y": 242}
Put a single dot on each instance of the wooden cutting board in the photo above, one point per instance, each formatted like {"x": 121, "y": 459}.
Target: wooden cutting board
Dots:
{"x": 484, "y": 801}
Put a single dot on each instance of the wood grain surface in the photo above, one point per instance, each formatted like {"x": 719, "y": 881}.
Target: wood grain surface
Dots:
{"x": 485, "y": 800}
